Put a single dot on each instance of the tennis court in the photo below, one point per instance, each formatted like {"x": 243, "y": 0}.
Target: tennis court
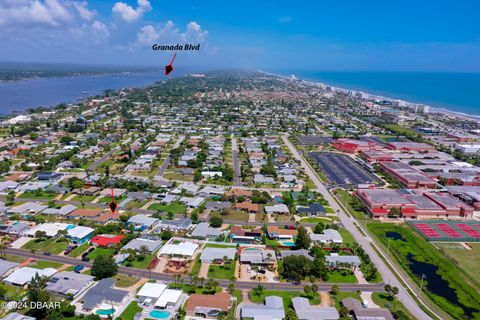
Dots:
{"x": 453, "y": 231}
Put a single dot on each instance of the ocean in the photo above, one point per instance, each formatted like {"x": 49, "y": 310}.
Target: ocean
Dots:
{"x": 457, "y": 92}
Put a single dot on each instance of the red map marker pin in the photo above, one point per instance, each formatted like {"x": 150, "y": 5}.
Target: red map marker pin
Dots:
{"x": 169, "y": 67}
{"x": 112, "y": 204}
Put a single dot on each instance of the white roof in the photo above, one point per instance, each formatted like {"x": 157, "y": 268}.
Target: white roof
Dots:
{"x": 79, "y": 232}
{"x": 181, "y": 249}
{"x": 50, "y": 228}
{"x": 152, "y": 290}
{"x": 24, "y": 275}
{"x": 168, "y": 296}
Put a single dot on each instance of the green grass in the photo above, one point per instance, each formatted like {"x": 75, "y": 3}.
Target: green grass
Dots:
{"x": 38, "y": 195}
{"x": 101, "y": 252}
{"x": 84, "y": 198}
{"x": 467, "y": 260}
{"x": 52, "y": 245}
{"x": 316, "y": 220}
{"x": 346, "y": 235}
{"x": 42, "y": 264}
{"x": 79, "y": 250}
{"x": 285, "y": 295}
{"x": 337, "y": 298}
{"x": 381, "y": 300}
{"x": 421, "y": 250}
{"x": 13, "y": 258}
{"x": 123, "y": 281}
{"x": 175, "y": 208}
{"x": 337, "y": 277}
{"x": 217, "y": 245}
{"x": 107, "y": 200}
{"x": 130, "y": 311}
{"x": 12, "y": 292}
{"x": 232, "y": 215}
{"x": 196, "y": 266}
{"x": 141, "y": 263}
{"x": 221, "y": 272}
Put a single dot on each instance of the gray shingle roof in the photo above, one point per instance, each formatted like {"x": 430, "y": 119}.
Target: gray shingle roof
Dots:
{"x": 101, "y": 292}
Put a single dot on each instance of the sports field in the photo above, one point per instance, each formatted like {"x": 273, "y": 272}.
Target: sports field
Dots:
{"x": 452, "y": 231}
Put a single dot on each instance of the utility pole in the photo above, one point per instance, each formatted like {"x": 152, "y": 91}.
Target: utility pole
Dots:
{"x": 421, "y": 282}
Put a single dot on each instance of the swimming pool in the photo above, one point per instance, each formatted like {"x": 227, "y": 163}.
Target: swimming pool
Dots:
{"x": 158, "y": 314}
{"x": 105, "y": 312}
{"x": 287, "y": 243}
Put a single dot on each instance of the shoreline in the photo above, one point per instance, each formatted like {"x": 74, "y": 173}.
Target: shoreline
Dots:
{"x": 433, "y": 109}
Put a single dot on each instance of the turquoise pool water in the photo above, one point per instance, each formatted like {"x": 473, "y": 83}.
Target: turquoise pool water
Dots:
{"x": 105, "y": 312}
{"x": 157, "y": 314}
{"x": 287, "y": 243}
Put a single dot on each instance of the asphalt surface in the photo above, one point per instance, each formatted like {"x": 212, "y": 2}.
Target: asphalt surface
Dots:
{"x": 167, "y": 160}
{"x": 236, "y": 163}
{"x": 141, "y": 273}
{"x": 387, "y": 274}
{"x": 105, "y": 157}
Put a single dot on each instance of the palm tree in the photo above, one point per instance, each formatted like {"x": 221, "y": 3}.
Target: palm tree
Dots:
{"x": 202, "y": 281}
{"x": 143, "y": 251}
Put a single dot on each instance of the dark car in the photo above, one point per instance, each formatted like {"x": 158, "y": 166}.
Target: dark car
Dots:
{"x": 46, "y": 253}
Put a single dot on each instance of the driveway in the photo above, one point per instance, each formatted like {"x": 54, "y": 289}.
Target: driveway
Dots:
{"x": 203, "y": 273}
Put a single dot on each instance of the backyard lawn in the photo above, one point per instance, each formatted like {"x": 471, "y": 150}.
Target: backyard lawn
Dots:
{"x": 84, "y": 198}
{"x": 130, "y": 311}
{"x": 175, "y": 208}
{"x": 52, "y": 245}
{"x": 123, "y": 281}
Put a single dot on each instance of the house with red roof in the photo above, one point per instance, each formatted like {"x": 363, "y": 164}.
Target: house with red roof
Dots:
{"x": 106, "y": 240}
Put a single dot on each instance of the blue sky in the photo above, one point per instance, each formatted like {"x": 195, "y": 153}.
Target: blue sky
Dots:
{"x": 317, "y": 35}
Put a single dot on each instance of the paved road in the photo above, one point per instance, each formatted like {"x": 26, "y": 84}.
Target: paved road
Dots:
{"x": 105, "y": 157}
{"x": 236, "y": 163}
{"x": 141, "y": 273}
{"x": 167, "y": 160}
{"x": 347, "y": 222}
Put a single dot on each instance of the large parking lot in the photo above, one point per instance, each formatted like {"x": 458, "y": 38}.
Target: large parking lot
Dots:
{"x": 342, "y": 170}
{"x": 314, "y": 140}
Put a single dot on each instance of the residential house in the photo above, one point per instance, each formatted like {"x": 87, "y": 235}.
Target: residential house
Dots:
{"x": 305, "y": 311}
{"x": 217, "y": 255}
{"x": 208, "y": 306}
{"x": 204, "y": 231}
{"x": 245, "y": 235}
{"x": 67, "y": 282}
{"x": 273, "y": 309}
{"x": 277, "y": 233}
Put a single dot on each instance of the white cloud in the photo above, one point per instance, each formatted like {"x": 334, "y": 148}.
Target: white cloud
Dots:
{"x": 168, "y": 33}
{"x": 128, "y": 13}
{"x": 147, "y": 36}
{"x": 83, "y": 11}
{"x": 51, "y": 13}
